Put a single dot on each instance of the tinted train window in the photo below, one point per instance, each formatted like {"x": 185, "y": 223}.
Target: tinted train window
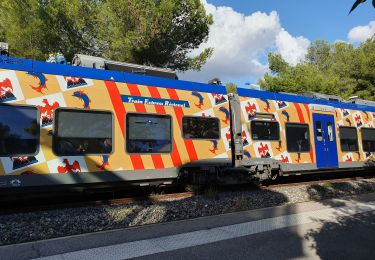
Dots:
{"x": 265, "y": 130}
{"x": 147, "y": 133}
{"x": 19, "y": 130}
{"x": 330, "y": 131}
{"x": 319, "y": 132}
{"x": 348, "y": 139}
{"x": 297, "y": 137}
{"x": 368, "y": 139}
{"x": 200, "y": 128}
{"x": 82, "y": 132}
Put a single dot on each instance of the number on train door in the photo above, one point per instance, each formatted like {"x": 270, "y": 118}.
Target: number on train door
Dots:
{"x": 325, "y": 141}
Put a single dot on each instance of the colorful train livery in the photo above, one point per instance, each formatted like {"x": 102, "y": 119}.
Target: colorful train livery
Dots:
{"x": 63, "y": 124}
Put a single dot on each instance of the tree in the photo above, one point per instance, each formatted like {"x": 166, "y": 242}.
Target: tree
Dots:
{"x": 231, "y": 88}
{"x": 159, "y": 33}
{"x": 153, "y": 32}
{"x": 337, "y": 69}
{"x": 35, "y": 28}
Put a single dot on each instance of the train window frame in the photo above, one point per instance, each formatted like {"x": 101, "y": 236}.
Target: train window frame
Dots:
{"x": 363, "y": 146}
{"x": 265, "y": 121}
{"x": 182, "y": 128}
{"x": 147, "y": 114}
{"x": 286, "y": 136}
{"x": 357, "y": 140}
{"x": 37, "y": 150}
{"x": 68, "y": 109}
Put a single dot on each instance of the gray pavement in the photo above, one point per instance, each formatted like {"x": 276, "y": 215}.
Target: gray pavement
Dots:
{"x": 328, "y": 229}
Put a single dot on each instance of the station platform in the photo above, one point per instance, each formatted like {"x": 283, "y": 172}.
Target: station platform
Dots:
{"x": 337, "y": 228}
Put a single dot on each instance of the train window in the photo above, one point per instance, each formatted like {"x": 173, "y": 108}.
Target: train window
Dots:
{"x": 319, "y": 133}
{"x": 148, "y": 133}
{"x": 19, "y": 130}
{"x": 265, "y": 130}
{"x": 194, "y": 127}
{"x": 368, "y": 139}
{"x": 79, "y": 132}
{"x": 348, "y": 139}
{"x": 297, "y": 137}
{"x": 330, "y": 131}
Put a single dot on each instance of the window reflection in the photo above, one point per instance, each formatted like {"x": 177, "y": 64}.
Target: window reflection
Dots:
{"x": 265, "y": 130}
{"x": 82, "y": 132}
{"x": 19, "y": 130}
{"x": 319, "y": 133}
{"x": 368, "y": 139}
{"x": 200, "y": 128}
{"x": 297, "y": 137}
{"x": 348, "y": 139}
{"x": 330, "y": 131}
{"x": 147, "y": 133}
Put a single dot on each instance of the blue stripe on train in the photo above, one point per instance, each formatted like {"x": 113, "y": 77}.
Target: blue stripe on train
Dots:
{"x": 57, "y": 69}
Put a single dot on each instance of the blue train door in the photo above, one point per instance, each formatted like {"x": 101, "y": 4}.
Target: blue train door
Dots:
{"x": 325, "y": 141}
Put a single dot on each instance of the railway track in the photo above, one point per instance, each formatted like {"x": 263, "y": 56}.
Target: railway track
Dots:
{"x": 49, "y": 204}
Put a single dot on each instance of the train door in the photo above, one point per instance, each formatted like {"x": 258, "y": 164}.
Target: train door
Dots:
{"x": 325, "y": 141}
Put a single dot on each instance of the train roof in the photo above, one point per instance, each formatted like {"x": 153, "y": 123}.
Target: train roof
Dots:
{"x": 302, "y": 99}
{"x": 67, "y": 70}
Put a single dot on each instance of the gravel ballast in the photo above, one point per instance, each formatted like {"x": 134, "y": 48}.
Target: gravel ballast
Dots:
{"x": 24, "y": 227}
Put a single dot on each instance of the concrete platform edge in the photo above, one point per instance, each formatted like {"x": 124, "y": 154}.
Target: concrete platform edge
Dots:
{"x": 61, "y": 245}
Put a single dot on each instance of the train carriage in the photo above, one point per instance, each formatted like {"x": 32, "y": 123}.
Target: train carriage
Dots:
{"x": 308, "y": 134}
{"x": 116, "y": 126}
{"x": 63, "y": 124}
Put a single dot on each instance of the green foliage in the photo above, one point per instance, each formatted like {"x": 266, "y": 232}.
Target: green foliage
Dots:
{"x": 34, "y": 28}
{"x": 231, "y": 88}
{"x": 159, "y": 33}
{"x": 337, "y": 69}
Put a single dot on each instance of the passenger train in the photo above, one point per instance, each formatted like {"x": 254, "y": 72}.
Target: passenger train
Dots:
{"x": 69, "y": 125}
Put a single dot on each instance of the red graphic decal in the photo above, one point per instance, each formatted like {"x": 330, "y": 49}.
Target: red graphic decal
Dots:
{"x": 69, "y": 168}
{"x": 46, "y": 111}
{"x": 250, "y": 110}
{"x": 6, "y": 90}
{"x": 348, "y": 158}
{"x": 264, "y": 151}
{"x": 284, "y": 159}
{"x": 358, "y": 120}
{"x": 227, "y": 135}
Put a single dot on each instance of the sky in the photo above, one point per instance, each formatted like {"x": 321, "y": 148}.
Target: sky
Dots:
{"x": 245, "y": 31}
